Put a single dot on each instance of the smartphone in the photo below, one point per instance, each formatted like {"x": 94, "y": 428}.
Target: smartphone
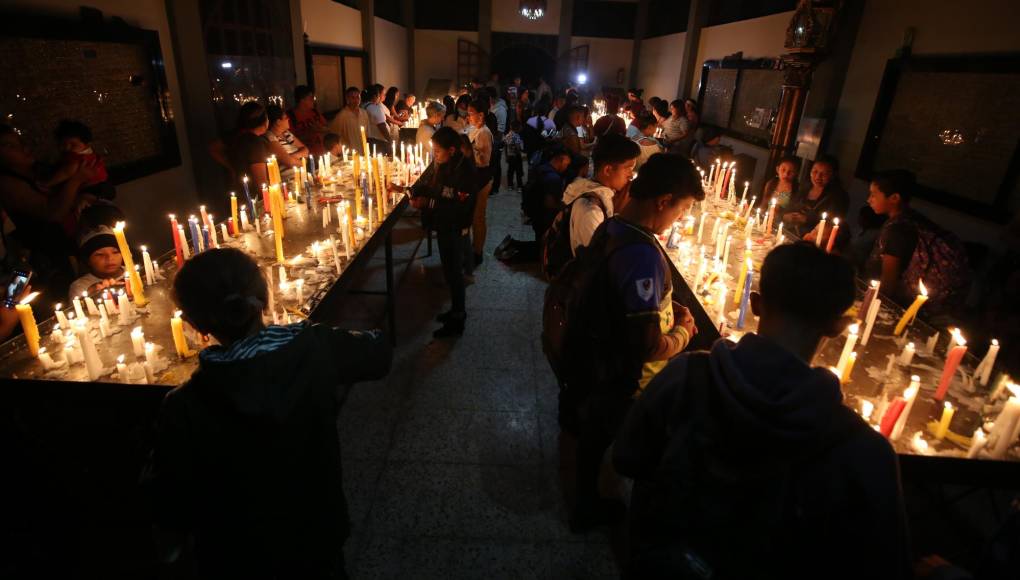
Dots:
{"x": 16, "y": 286}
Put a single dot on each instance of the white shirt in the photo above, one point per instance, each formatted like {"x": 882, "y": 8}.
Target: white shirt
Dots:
{"x": 376, "y": 115}
{"x": 481, "y": 139}
{"x": 424, "y": 134}
{"x": 348, "y": 126}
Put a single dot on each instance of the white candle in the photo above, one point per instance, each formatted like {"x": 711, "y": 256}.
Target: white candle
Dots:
{"x": 77, "y": 307}
{"x": 122, "y": 370}
{"x": 244, "y": 220}
{"x": 150, "y": 273}
{"x": 977, "y": 443}
{"x": 726, "y": 252}
{"x": 984, "y": 369}
{"x": 869, "y": 321}
{"x": 46, "y": 359}
{"x": 907, "y": 355}
{"x": 932, "y": 341}
{"x": 61, "y": 317}
{"x": 909, "y": 395}
{"x": 721, "y": 314}
{"x": 299, "y": 286}
{"x": 820, "y": 232}
{"x": 1001, "y": 435}
{"x": 336, "y": 253}
{"x": 93, "y": 364}
{"x": 224, "y": 232}
{"x": 90, "y": 305}
{"x": 138, "y": 341}
{"x": 125, "y": 309}
{"x": 283, "y": 275}
{"x": 185, "y": 253}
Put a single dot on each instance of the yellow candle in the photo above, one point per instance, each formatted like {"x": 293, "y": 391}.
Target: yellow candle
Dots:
{"x": 947, "y": 417}
{"x": 28, "y": 325}
{"x": 364, "y": 142}
{"x": 180, "y": 340}
{"x": 129, "y": 265}
{"x": 848, "y": 368}
{"x": 911, "y": 312}
{"x": 233, "y": 211}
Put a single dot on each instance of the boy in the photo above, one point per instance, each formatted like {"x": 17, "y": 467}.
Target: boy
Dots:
{"x": 99, "y": 251}
{"x": 332, "y": 144}
{"x": 640, "y": 329}
{"x": 246, "y": 458}
{"x": 614, "y": 158}
{"x": 745, "y": 461}
{"x": 889, "y": 195}
{"x": 514, "y": 147}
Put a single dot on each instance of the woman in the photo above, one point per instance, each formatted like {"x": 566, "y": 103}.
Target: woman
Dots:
{"x": 524, "y": 106}
{"x": 675, "y": 128}
{"x": 394, "y": 119}
{"x": 686, "y": 144}
{"x": 482, "y": 145}
{"x": 448, "y": 191}
{"x": 825, "y": 195}
{"x": 247, "y": 149}
{"x": 37, "y": 214}
{"x": 289, "y": 150}
{"x": 306, "y": 122}
{"x": 456, "y": 117}
{"x": 435, "y": 113}
{"x": 649, "y": 145}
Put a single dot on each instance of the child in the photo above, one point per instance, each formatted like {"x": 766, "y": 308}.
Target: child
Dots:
{"x": 745, "y": 460}
{"x": 99, "y": 252}
{"x": 782, "y": 186}
{"x": 246, "y": 457}
{"x": 74, "y": 139}
{"x": 598, "y": 199}
{"x": 332, "y": 144}
{"x": 645, "y": 125}
{"x": 514, "y": 147}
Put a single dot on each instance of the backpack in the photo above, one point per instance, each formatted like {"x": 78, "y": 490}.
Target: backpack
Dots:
{"x": 556, "y": 247}
{"x": 578, "y": 324}
{"x": 532, "y": 137}
{"x": 940, "y": 261}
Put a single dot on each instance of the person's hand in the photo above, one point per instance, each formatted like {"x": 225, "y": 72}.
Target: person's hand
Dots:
{"x": 104, "y": 284}
{"x": 86, "y": 171}
{"x": 810, "y": 236}
{"x": 683, "y": 317}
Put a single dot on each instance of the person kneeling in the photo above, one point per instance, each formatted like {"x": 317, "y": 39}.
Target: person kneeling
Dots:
{"x": 746, "y": 463}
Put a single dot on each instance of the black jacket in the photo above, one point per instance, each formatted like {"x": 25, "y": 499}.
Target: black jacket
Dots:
{"x": 451, "y": 189}
{"x": 779, "y": 458}
{"x": 247, "y": 457}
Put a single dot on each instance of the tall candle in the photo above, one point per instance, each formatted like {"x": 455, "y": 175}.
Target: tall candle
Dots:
{"x": 58, "y": 310}
{"x": 28, "y": 325}
{"x": 892, "y": 416}
{"x": 848, "y": 347}
{"x": 124, "y": 308}
{"x": 869, "y": 319}
{"x": 177, "y": 240}
{"x": 137, "y": 291}
{"x": 745, "y": 295}
{"x": 909, "y": 395}
{"x": 832, "y": 235}
{"x": 93, "y": 364}
{"x": 224, "y": 231}
{"x": 196, "y": 234}
{"x": 185, "y": 254}
{"x": 336, "y": 253}
{"x": 869, "y": 295}
{"x": 244, "y": 221}
{"x": 953, "y": 359}
{"x": 299, "y": 286}
{"x": 1001, "y": 435}
{"x": 138, "y": 340}
{"x": 772, "y": 217}
{"x": 844, "y": 375}
{"x": 947, "y": 418}
{"x": 180, "y": 339}
{"x": 122, "y": 370}
{"x": 150, "y": 274}
{"x": 726, "y": 252}
{"x": 984, "y": 369}
{"x": 90, "y": 305}
{"x": 76, "y": 302}
{"x": 820, "y": 230}
{"x": 911, "y": 312}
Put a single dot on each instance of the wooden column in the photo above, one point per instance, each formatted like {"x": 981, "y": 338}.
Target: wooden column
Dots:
{"x": 791, "y": 106}
{"x": 408, "y": 11}
{"x": 563, "y": 43}
{"x": 697, "y": 16}
{"x": 367, "y": 8}
{"x": 639, "y": 34}
{"x": 485, "y": 29}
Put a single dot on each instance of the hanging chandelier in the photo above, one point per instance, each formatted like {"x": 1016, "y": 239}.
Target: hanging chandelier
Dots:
{"x": 533, "y": 9}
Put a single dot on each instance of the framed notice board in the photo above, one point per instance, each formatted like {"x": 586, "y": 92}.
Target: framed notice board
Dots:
{"x": 741, "y": 97}
{"x": 952, "y": 121}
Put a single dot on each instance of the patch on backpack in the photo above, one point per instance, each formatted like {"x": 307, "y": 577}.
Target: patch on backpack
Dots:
{"x": 644, "y": 289}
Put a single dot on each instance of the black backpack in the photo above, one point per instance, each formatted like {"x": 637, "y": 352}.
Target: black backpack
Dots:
{"x": 556, "y": 247}
{"x": 581, "y": 323}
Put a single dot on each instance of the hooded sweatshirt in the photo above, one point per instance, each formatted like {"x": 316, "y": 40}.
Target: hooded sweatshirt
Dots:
{"x": 586, "y": 215}
{"x": 765, "y": 449}
{"x": 247, "y": 457}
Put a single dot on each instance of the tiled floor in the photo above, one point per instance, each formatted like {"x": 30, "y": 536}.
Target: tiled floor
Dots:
{"x": 452, "y": 463}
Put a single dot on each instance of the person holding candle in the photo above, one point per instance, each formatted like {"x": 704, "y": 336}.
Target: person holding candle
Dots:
{"x": 746, "y": 458}
{"x": 635, "y": 327}
{"x": 824, "y": 195}
{"x": 99, "y": 252}
{"x": 246, "y": 457}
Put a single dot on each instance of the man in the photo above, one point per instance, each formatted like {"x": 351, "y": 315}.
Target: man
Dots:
{"x": 641, "y": 328}
{"x": 99, "y": 251}
{"x": 745, "y": 460}
{"x": 377, "y": 128}
{"x": 596, "y": 200}
{"x": 351, "y": 119}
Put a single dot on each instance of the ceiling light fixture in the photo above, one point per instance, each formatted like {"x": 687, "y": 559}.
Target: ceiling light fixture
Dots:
{"x": 533, "y": 9}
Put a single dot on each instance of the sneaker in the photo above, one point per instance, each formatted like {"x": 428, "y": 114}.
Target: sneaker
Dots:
{"x": 602, "y": 512}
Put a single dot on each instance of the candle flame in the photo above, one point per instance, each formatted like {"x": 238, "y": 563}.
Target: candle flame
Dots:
{"x": 855, "y": 328}
{"x": 1014, "y": 389}
{"x": 29, "y": 298}
{"x": 120, "y": 359}
{"x": 58, "y": 306}
{"x": 232, "y": 194}
{"x": 172, "y": 216}
{"x": 245, "y": 179}
{"x": 42, "y": 351}
{"x": 136, "y": 331}
{"x": 910, "y": 392}
{"x": 958, "y": 337}
{"x": 995, "y": 342}
{"x": 874, "y": 283}
{"x": 835, "y": 221}
{"x": 867, "y": 408}
{"x": 824, "y": 215}
{"x": 921, "y": 287}
{"x": 119, "y": 226}
{"x": 948, "y": 406}
{"x": 144, "y": 249}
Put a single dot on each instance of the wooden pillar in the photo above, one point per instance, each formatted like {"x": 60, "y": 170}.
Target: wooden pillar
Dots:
{"x": 485, "y": 28}
{"x": 640, "y": 27}
{"x": 791, "y": 106}
{"x": 697, "y": 17}
{"x": 563, "y": 42}
{"x": 367, "y": 8}
{"x": 298, "y": 38}
{"x": 408, "y": 10}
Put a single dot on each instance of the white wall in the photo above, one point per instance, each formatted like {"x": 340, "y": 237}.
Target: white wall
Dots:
{"x": 757, "y": 38}
{"x": 436, "y": 55}
{"x": 941, "y": 28}
{"x": 331, "y": 23}
{"x": 146, "y": 201}
{"x": 659, "y": 65}
{"x": 391, "y": 54}
{"x": 605, "y": 57}
{"x": 506, "y": 17}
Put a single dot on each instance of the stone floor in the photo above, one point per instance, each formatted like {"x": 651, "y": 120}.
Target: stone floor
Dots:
{"x": 452, "y": 463}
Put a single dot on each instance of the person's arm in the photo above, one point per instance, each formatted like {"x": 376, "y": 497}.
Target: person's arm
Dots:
{"x": 483, "y": 149}
{"x": 361, "y": 355}
{"x": 258, "y": 173}
{"x": 890, "y": 274}
{"x": 68, "y": 168}
{"x": 284, "y": 158}
{"x": 585, "y": 218}
{"x": 302, "y": 149}
{"x": 18, "y": 196}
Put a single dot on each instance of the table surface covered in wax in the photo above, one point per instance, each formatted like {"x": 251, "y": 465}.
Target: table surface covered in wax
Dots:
{"x": 868, "y": 379}
{"x": 302, "y": 226}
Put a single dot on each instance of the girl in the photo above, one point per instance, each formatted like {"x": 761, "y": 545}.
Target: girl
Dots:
{"x": 782, "y": 186}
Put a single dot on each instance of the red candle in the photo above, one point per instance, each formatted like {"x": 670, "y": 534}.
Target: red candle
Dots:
{"x": 891, "y": 415}
{"x": 265, "y": 198}
{"x": 953, "y": 359}
{"x": 231, "y": 227}
{"x": 832, "y": 235}
{"x": 177, "y": 241}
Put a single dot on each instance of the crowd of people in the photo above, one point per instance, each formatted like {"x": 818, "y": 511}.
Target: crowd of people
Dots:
{"x": 745, "y": 449}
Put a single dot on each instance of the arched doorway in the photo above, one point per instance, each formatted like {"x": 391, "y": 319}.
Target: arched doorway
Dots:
{"x": 528, "y": 61}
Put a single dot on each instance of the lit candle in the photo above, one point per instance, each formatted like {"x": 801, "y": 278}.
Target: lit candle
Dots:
{"x": 848, "y": 347}
{"x": 180, "y": 340}
{"x": 299, "y": 286}
{"x": 908, "y": 354}
{"x": 977, "y": 443}
{"x": 820, "y": 230}
{"x": 204, "y": 216}
{"x": 892, "y": 416}
{"x": 745, "y": 296}
{"x": 245, "y": 226}
{"x": 932, "y": 341}
{"x": 867, "y": 408}
{"x": 953, "y": 359}
{"x": 336, "y": 254}
{"x": 28, "y": 325}
{"x": 1003, "y": 432}
{"x": 90, "y": 305}
{"x": 772, "y": 217}
{"x": 78, "y": 312}
{"x": 215, "y": 243}
{"x": 176, "y": 232}
{"x": 185, "y": 253}
{"x": 869, "y": 320}
{"x": 122, "y": 371}
{"x": 150, "y": 274}
{"x": 869, "y": 295}
{"x": 984, "y": 369}
{"x": 918, "y": 444}
{"x": 832, "y": 235}
{"x": 726, "y": 252}
{"x": 150, "y": 362}
{"x": 911, "y": 312}
{"x": 93, "y": 364}
{"x": 58, "y": 310}
{"x": 224, "y": 231}
{"x": 138, "y": 340}
{"x": 124, "y": 307}
{"x": 909, "y": 396}
{"x": 743, "y": 195}
{"x": 947, "y": 418}
{"x": 104, "y": 320}
{"x": 844, "y": 375}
